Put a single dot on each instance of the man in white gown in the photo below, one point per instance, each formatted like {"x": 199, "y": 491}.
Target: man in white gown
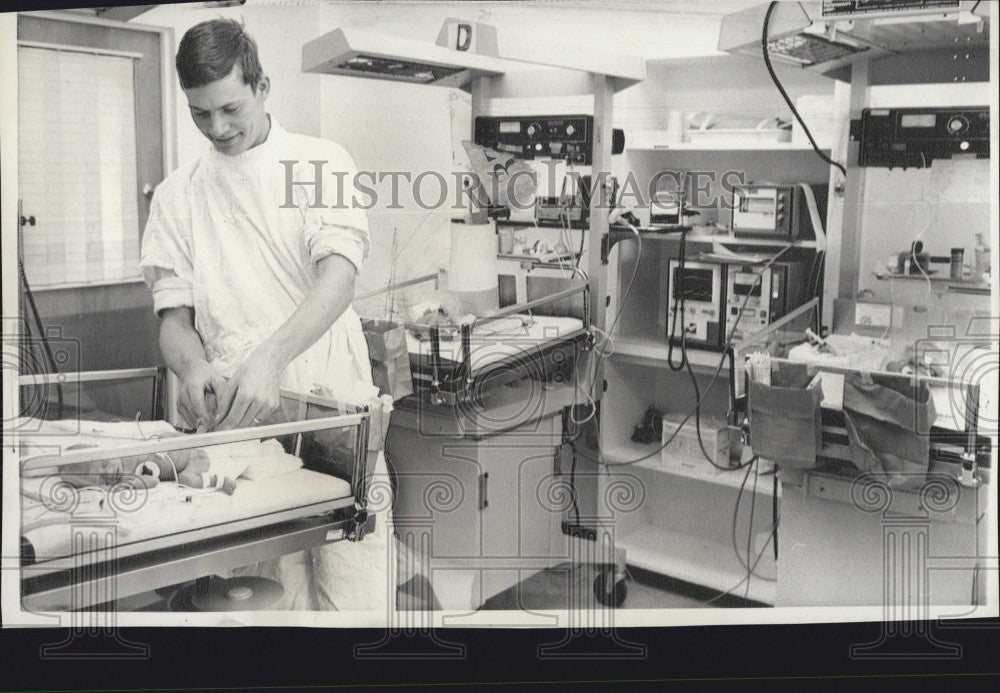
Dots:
{"x": 253, "y": 277}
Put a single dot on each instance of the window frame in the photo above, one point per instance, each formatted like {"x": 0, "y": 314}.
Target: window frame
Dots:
{"x": 168, "y": 111}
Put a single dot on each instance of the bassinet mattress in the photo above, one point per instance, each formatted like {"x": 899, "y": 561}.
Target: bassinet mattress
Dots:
{"x": 169, "y": 511}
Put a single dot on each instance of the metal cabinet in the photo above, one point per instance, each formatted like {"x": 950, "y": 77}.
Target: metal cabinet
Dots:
{"x": 478, "y": 504}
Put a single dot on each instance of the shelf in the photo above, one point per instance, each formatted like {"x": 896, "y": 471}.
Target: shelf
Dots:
{"x": 566, "y": 260}
{"x": 724, "y": 147}
{"x": 693, "y": 559}
{"x": 727, "y": 239}
{"x": 543, "y": 224}
{"x": 699, "y": 470}
{"x": 661, "y": 141}
{"x": 937, "y": 279}
{"x": 651, "y": 344}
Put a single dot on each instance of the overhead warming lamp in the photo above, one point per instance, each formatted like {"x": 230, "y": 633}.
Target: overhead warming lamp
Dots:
{"x": 463, "y": 51}
{"x": 824, "y": 36}
{"x": 348, "y": 51}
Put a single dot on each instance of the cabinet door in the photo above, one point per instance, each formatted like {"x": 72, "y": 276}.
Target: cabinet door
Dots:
{"x": 489, "y": 500}
{"x": 437, "y": 492}
{"x": 517, "y": 517}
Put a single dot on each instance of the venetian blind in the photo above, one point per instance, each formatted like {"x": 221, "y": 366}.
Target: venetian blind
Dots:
{"x": 77, "y": 166}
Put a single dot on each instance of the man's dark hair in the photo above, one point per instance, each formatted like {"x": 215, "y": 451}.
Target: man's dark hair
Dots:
{"x": 209, "y": 51}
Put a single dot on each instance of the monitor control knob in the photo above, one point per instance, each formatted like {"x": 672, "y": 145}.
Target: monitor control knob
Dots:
{"x": 957, "y": 124}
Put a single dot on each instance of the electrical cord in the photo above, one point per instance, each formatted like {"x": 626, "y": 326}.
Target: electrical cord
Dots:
{"x": 736, "y": 510}
{"x": 712, "y": 382}
{"x": 566, "y": 238}
{"x": 631, "y": 281}
{"x": 593, "y": 404}
{"x": 697, "y": 420}
{"x": 753, "y": 504}
{"x": 774, "y": 78}
{"x": 774, "y": 513}
{"x": 621, "y": 307}
{"x": 583, "y": 235}
{"x": 572, "y": 485}
{"x": 43, "y": 338}
{"x": 815, "y": 273}
{"x": 753, "y": 566}
{"x": 752, "y": 465}
{"x": 679, "y": 295}
{"x": 773, "y": 537}
{"x": 685, "y": 362}
{"x": 913, "y": 245}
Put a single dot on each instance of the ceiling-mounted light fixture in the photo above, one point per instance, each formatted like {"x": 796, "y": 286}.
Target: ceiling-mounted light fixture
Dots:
{"x": 831, "y": 34}
{"x": 794, "y": 37}
{"x": 348, "y": 51}
{"x": 464, "y": 50}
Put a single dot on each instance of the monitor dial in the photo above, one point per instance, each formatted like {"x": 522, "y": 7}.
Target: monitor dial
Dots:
{"x": 957, "y": 124}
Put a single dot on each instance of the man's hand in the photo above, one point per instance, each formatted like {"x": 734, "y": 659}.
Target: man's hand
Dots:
{"x": 197, "y": 400}
{"x": 251, "y": 396}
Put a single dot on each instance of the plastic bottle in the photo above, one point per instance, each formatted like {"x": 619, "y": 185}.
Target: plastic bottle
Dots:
{"x": 982, "y": 258}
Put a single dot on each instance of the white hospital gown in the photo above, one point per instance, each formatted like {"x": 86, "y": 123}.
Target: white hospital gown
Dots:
{"x": 229, "y": 237}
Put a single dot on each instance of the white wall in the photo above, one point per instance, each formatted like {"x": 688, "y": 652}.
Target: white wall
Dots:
{"x": 944, "y": 205}
{"x": 278, "y": 30}
{"x": 392, "y": 126}
{"x": 401, "y": 127}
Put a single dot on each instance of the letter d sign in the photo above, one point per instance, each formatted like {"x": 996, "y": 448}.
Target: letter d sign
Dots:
{"x": 463, "y": 37}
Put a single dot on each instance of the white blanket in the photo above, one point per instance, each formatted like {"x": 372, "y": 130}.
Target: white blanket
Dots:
{"x": 170, "y": 509}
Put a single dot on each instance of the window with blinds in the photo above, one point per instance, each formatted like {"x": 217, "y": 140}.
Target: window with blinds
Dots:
{"x": 77, "y": 166}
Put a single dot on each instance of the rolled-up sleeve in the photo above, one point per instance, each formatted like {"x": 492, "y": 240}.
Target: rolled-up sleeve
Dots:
{"x": 339, "y": 227}
{"x": 166, "y": 258}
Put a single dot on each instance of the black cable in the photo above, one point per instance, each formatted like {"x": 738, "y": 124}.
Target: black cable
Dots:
{"x": 679, "y": 297}
{"x": 774, "y": 514}
{"x": 694, "y": 380}
{"x": 736, "y": 512}
{"x": 711, "y": 384}
{"x": 815, "y": 274}
{"x": 753, "y": 504}
{"x": 572, "y": 486}
{"x": 685, "y": 361}
{"x": 746, "y": 565}
{"x": 753, "y": 566}
{"x": 583, "y": 235}
{"x": 784, "y": 94}
{"x": 628, "y": 289}
{"x": 621, "y": 308}
{"x": 697, "y": 421}
{"x": 47, "y": 348}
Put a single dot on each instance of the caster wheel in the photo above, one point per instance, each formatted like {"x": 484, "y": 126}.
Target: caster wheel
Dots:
{"x": 610, "y": 589}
